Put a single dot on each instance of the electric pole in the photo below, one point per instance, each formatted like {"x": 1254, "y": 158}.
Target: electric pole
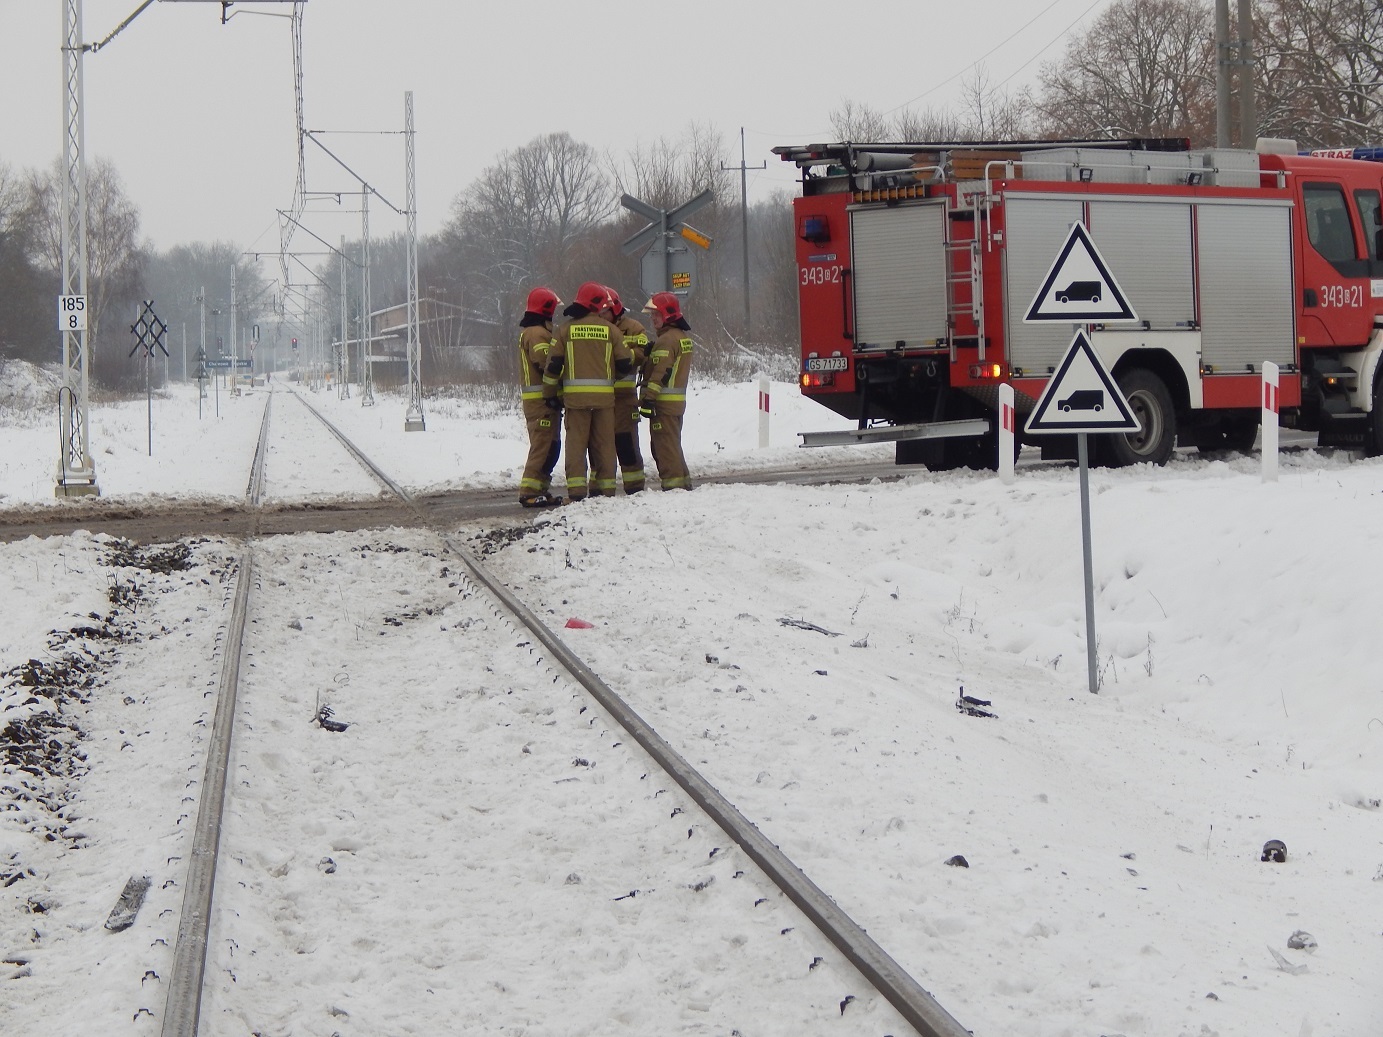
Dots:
{"x": 744, "y": 221}
{"x": 1229, "y": 56}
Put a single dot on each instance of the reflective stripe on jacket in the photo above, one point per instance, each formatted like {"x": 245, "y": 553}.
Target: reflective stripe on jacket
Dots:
{"x": 582, "y": 362}
{"x": 534, "y": 343}
{"x": 667, "y": 370}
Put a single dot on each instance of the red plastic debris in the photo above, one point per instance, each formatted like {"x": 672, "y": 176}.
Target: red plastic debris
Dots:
{"x": 579, "y": 624}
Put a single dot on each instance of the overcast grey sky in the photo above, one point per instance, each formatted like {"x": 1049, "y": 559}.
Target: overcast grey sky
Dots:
{"x": 198, "y": 116}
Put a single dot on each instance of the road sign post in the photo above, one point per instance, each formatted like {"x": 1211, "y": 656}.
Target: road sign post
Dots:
{"x": 1082, "y": 396}
{"x": 148, "y": 332}
{"x": 1270, "y": 419}
{"x": 667, "y": 265}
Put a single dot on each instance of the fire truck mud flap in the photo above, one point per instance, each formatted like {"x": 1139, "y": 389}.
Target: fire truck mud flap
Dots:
{"x": 899, "y": 433}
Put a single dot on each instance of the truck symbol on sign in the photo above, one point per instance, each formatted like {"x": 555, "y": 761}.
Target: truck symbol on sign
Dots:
{"x": 1080, "y": 291}
{"x": 1083, "y": 399}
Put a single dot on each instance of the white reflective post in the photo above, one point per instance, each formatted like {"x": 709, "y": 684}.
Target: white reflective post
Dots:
{"x": 1007, "y": 426}
{"x": 1270, "y": 409}
{"x": 763, "y": 412}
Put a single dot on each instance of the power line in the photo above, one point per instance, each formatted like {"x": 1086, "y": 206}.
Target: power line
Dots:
{"x": 933, "y": 89}
{"x": 1049, "y": 45}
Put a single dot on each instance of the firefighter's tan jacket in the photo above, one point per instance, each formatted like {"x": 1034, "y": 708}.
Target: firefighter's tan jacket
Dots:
{"x": 666, "y": 371}
{"x": 534, "y": 343}
{"x": 584, "y": 361}
{"x": 636, "y": 338}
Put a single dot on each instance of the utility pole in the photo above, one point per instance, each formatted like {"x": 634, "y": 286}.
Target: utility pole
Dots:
{"x": 1229, "y": 56}
{"x": 744, "y": 221}
{"x": 235, "y": 341}
{"x": 1248, "y": 109}
{"x": 1222, "y": 73}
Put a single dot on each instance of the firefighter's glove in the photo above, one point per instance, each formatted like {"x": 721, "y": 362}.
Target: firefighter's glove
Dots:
{"x": 646, "y": 409}
{"x": 552, "y": 403}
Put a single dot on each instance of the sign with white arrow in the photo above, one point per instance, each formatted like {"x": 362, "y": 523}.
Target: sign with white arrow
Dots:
{"x": 1078, "y": 288}
{"x": 1081, "y": 396}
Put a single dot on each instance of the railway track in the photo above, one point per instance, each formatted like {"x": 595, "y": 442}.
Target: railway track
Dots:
{"x": 321, "y": 845}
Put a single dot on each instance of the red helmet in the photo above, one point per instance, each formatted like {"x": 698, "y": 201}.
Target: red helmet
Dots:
{"x": 615, "y": 305}
{"x": 543, "y": 301}
{"x": 665, "y": 305}
{"x": 595, "y": 297}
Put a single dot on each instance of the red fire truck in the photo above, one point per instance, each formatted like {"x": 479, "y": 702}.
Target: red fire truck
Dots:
{"x": 917, "y": 264}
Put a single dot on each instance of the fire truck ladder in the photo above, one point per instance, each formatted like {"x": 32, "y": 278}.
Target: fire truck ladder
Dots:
{"x": 964, "y": 288}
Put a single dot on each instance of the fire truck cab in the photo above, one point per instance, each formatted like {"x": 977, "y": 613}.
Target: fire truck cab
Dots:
{"x": 917, "y": 263}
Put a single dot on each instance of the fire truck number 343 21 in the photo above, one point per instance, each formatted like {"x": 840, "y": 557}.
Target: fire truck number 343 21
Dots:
{"x": 821, "y": 274}
{"x": 1341, "y": 295}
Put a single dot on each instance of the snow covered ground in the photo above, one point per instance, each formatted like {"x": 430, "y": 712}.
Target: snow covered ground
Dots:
{"x": 1114, "y": 884}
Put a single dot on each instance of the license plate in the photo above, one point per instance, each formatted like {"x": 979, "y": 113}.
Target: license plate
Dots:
{"x": 828, "y": 363}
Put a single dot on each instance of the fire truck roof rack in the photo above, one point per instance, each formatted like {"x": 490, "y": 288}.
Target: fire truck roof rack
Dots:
{"x": 846, "y": 154}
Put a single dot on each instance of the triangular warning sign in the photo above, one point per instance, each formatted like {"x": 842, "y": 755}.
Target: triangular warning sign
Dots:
{"x": 1079, "y": 288}
{"x": 1081, "y": 396}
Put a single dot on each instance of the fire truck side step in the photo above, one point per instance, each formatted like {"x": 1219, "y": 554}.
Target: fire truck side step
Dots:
{"x": 895, "y": 433}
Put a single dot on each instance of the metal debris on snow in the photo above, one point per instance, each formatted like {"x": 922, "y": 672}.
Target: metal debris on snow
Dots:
{"x": 802, "y": 624}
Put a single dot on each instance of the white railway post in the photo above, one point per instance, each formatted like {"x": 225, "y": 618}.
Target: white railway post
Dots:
{"x": 763, "y": 412}
{"x": 1007, "y": 427}
{"x": 1270, "y": 427}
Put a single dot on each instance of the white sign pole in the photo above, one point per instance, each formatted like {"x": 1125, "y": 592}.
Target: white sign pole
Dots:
{"x": 1270, "y": 427}
{"x": 1007, "y": 428}
{"x": 763, "y": 412}
{"x": 1087, "y": 558}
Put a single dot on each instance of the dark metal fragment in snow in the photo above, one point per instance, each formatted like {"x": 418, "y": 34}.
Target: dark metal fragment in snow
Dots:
{"x": 122, "y": 915}
{"x": 802, "y": 624}
{"x": 971, "y": 706}
{"x": 1301, "y": 941}
{"x": 323, "y": 719}
{"x": 848, "y": 999}
{"x": 958, "y": 861}
{"x": 1274, "y": 850}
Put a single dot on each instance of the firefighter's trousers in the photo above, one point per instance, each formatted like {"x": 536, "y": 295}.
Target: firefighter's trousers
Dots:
{"x": 665, "y": 442}
{"x": 590, "y": 435}
{"x": 627, "y": 441}
{"x": 544, "y": 444}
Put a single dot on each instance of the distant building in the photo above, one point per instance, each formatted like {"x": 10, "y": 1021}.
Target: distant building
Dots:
{"x": 454, "y": 339}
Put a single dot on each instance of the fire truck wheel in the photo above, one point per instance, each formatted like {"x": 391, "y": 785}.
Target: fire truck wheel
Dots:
{"x": 1237, "y": 433}
{"x": 1151, "y": 404}
{"x": 1373, "y": 439}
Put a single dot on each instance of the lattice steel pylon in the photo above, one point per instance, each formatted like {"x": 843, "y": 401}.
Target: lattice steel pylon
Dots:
{"x": 343, "y": 362}
{"x": 76, "y": 469}
{"x": 367, "y": 330}
{"x": 413, "y": 420}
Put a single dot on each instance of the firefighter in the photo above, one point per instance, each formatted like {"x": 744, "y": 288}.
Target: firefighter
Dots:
{"x": 544, "y": 423}
{"x": 663, "y": 390}
{"x": 627, "y": 395}
{"x": 585, "y": 359}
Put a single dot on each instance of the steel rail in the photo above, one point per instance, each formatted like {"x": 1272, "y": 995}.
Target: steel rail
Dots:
{"x": 882, "y": 972}
{"x": 874, "y": 964}
{"x": 184, "y": 1005}
{"x": 255, "y": 491}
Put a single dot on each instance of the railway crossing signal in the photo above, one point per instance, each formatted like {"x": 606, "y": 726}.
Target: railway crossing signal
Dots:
{"x": 667, "y": 265}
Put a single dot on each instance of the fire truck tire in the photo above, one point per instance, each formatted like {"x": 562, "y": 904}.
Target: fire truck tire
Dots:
{"x": 1373, "y": 439}
{"x": 1151, "y": 404}
{"x": 1236, "y": 433}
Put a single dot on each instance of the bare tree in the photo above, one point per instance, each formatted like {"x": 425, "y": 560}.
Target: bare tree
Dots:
{"x": 1144, "y": 68}
{"x": 1319, "y": 71}
{"x": 516, "y": 225}
{"x": 23, "y": 330}
{"x": 115, "y": 257}
{"x": 859, "y": 123}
